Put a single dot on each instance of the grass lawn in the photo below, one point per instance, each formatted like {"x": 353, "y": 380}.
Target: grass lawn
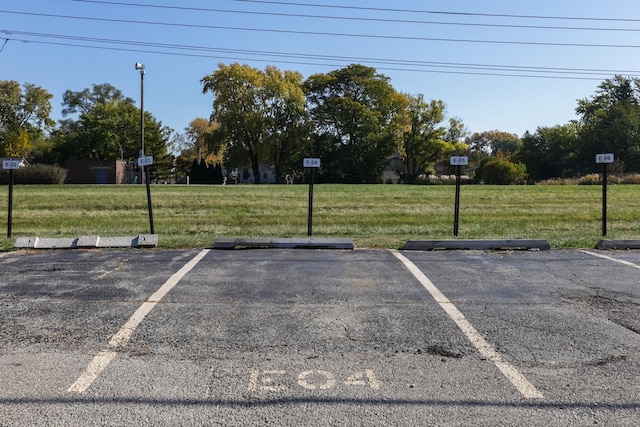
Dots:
{"x": 372, "y": 215}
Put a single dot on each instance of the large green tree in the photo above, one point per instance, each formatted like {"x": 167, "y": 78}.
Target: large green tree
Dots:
{"x": 24, "y": 118}
{"x": 550, "y": 152}
{"x": 425, "y": 140}
{"x": 489, "y": 143}
{"x": 609, "y": 121}
{"x": 287, "y": 121}
{"x": 260, "y": 114}
{"x": 357, "y": 118}
{"x": 194, "y": 145}
{"x": 106, "y": 126}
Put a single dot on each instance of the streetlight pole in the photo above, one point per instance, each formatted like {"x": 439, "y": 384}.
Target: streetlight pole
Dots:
{"x": 144, "y": 169}
{"x": 140, "y": 67}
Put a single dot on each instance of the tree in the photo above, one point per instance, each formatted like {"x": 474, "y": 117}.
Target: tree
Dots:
{"x": 550, "y": 152}
{"x": 500, "y": 170}
{"x": 107, "y": 127}
{"x": 24, "y": 118}
{"x": 356, "y": 117}
{"x": 195, "y": 145}
{"x": 488, "y": 143}
{"x": 424, "y": 139}
{"x": 259, "y": 113}
{"x": 609, "y": 121}
{"x": 83, "y": 101}
{"x": 287, "y": 120}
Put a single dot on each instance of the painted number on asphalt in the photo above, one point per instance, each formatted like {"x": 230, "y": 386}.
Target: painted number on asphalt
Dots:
{"x": 277, "y": 380}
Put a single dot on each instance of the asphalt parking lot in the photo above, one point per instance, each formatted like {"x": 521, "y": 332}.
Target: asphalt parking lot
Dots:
{"x": 319, "y": 337}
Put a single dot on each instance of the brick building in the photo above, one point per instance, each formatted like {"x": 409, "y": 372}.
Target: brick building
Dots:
{"x": 96, "y": 171}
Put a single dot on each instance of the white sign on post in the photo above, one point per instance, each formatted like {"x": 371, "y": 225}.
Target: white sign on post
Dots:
{"x": 311, "y": 163}
{"x": 145, "y": 161}
{"x": 11, "y": 164}
{"x": 604, "y": 158}
{"x": 459, "y": 160}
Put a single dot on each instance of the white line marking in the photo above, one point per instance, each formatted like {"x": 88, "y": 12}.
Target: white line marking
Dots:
{"x": 619, "y": 261}
{"x": 105, "y": 356}
{"x": 487, "y": 350}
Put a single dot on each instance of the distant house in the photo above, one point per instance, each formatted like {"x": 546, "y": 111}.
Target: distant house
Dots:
{"x": 98, "y": 172}
{"x": 267, "y": 175}
{"x": 394, "y": 169}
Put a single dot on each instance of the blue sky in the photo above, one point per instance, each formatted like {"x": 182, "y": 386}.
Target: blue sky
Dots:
{"x": 462, "y": 52}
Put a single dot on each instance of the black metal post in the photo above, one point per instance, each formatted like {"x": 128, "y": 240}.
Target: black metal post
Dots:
{"x": 457, "y": 206}
{"x": 10, "y": 213}
{"x": 146, "y": 174}
{"x": 310, "y": 219}
{"x": 604, "y": 199}
{"x": 142, "y": 169}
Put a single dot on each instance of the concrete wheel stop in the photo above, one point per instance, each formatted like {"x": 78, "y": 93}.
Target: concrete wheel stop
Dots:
{"x": 140, "y": 241}
{"x": 618, "y": 244}
{"x": 432, "y": 245}
{"x": 282, "y": 243}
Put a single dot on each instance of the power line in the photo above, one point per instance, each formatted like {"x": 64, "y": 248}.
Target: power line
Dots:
{"x": 351, "y": 18}
{"x": 426, "y": 66}
{"x": 315, "y": 56}
{"x": 319, "y": 33}
{"x": 325, "y": 65}
{"x": 435, "y": 12}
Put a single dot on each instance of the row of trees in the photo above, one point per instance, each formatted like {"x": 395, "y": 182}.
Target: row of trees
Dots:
{"x": 352, "y": 118}
{"x": 99, "y": 123}
{"x": 608, "y": 122}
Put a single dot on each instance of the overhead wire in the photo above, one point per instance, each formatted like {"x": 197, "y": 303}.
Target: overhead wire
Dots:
{"x": 413, "y": 11}
{"x": 353, "y": 18}
{"x": 426, "y": 66}
{"x": 323, "y": 33}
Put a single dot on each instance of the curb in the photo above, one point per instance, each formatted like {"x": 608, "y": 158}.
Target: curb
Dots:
{"x": 431, "y": 245}
{"x": 140, "y": 241}
{"x": 282, "y": 243}
{"x": 618, "y": 244}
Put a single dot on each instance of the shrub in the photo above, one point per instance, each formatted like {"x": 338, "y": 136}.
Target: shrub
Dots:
{"x": 441, "y": 180}
{"x": 501, "y": 171}
{"x": 633, "y": 178}
{"x": 594, "y": 179}
{"x": 558, "y": 181}
{"x": 591, "y": 179}
{"x": 36, "y": 174}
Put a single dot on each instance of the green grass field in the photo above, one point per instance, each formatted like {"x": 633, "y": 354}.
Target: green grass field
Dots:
{"x": 372, "y": 215}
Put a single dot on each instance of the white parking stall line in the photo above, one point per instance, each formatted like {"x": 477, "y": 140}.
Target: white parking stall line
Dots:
{"x": 619, "y": 261}
{"x": 487, "y": 350}
{"x": 121, "y": 338}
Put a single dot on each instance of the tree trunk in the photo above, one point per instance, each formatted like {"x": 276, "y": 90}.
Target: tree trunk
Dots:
{"x": 256, "y": 168}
